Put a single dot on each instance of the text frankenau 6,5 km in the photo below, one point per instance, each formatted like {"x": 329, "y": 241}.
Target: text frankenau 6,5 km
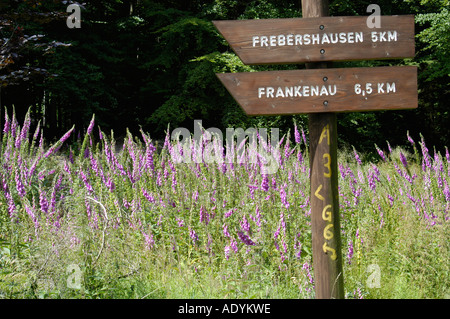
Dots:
{"x": 227, "y": 308}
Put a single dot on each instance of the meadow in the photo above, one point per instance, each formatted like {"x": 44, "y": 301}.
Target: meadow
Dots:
{"x": 94, "y": 219}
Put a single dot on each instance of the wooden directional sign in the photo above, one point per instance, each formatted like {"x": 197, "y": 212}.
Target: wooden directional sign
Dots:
{"x": 323, "y": 90}
{"x": 298, "y": 40}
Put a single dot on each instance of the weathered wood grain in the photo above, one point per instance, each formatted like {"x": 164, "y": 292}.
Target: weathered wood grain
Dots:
{"x": 240, "y": 33}
{"x": 246, "y": 88}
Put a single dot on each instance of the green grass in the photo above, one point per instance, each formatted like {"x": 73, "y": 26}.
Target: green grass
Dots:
{"x": 136, "y": 239}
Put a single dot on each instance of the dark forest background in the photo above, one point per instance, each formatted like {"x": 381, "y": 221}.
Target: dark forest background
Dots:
{"x": 148, "y": 63}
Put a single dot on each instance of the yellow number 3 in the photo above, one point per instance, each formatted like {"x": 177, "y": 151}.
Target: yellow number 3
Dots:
{"x": 327, "y": 164}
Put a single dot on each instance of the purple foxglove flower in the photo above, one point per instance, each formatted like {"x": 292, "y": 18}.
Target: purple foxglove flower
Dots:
{"x": 265, "y": 183}
{"x": 276, "y": 233}
{"x": 245, "y": 239}
{"x": 195, "y": 196}
{"x": 158, "y": 179}
{"x": 24, "y": 132}
{"x": 149, "y": 241}
{"x": 7, "y": 124}
{"x": 381, "y": 153}
{"x": 304, "y": 137}
{"x": 227, "y": 252}
{"x": 67, "y": 135}
{"x": 204, "y": 216}
{"x": 229, "y": 213}
{"x": 409, "y": 138}
{"x": 19, "y": 186}
{"x": 11, "y": 206}
{"x": 403, "y": 160}
{"x": 36, "y": 132}
{"x": 225, "y": 230}
{"x": 193, "y": 235}
{"x": 297, "y": 135}
{"x": 110, "y": 184}
{"x": 233, "y": 245}
{"x": 446, "y": 192}
{"x": 91, "y": 125}
{"x": 274, "y": 183}
{"x": 389, "y": 147}
{"x": 180, "y": 222}
{"x": 43, "y": 201}
{"x": 283, "y": 197}
{"x": 86, "y": 182}
{"x": 13, "y": 125}
{"x": 357, "y": 157}
{"x": 371, "y": 180}
{"x": 258, "y": 217}
{"x": 244, "y": 224}
{"x": 300, "y": 156}
{"x": 391, "y": 200}
{"x": 350, "y": 252}
{"x": 282, "y": 221}
{"x": 298, "y": 247}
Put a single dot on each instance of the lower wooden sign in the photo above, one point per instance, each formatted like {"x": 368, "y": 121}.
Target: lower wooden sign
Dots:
{"x": 324, "y": 90}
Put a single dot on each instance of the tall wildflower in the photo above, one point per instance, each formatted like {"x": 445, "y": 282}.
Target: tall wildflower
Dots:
{"x": 403, "y": 160}
{"x": 297, "y": 136}
{"x": 11, "y": 206}
{"x": 284, "y": 197}
{"x": 244, "y": 224}
{"x": 225, "y": 230}
{"x": 357, "y": 156}
{"x": 43, "y": 201}
{"x": 304, "y": 137}
{"x": 59, "y": 143}
{"x": 193, "y": 235}
{"x": 350, "y": 252}
{"x": 149, "y": 241}
{"x": 426, "y": 156}
{"x": 24, "y": 132}
{"x": 245, "y": 239}
{"x": 227, "y": 252}
{"x": 410, "y": 139}
{"x": 265, "y": 183}
{"x": 6, "y": 127}
{"x": 380, "y": 152}
{"x": 389, "y": 147}
{"x": 204, "y": 216}
{"x": 446, "y": 192}
{"x": 19, "y": 185}
{"x": 371, "y": 180}
{"x": 86, "y": 181}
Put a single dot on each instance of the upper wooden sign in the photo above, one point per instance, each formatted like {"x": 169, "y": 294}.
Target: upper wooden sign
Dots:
{"x": 298, "y": 40}
{"x": 323, "y": 90}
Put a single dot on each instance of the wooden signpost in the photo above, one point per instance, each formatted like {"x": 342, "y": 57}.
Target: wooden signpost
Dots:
{"x": 280, "y": 41}
{"x": 321, "y": 92}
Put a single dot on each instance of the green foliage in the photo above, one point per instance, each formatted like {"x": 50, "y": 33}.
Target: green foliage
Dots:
{"x": 152, "y": 62}
{"x": 164, "y": 228}
{"x": 437, "y": 43}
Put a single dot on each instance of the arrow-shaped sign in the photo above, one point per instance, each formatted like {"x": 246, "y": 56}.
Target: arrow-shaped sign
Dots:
{"x": 298, "y": 40}
{"x": 323, "y": 90}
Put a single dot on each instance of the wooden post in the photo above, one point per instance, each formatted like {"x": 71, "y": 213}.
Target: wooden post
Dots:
{"x": 341, "y": 90}
{"x": 326, "y": 231}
